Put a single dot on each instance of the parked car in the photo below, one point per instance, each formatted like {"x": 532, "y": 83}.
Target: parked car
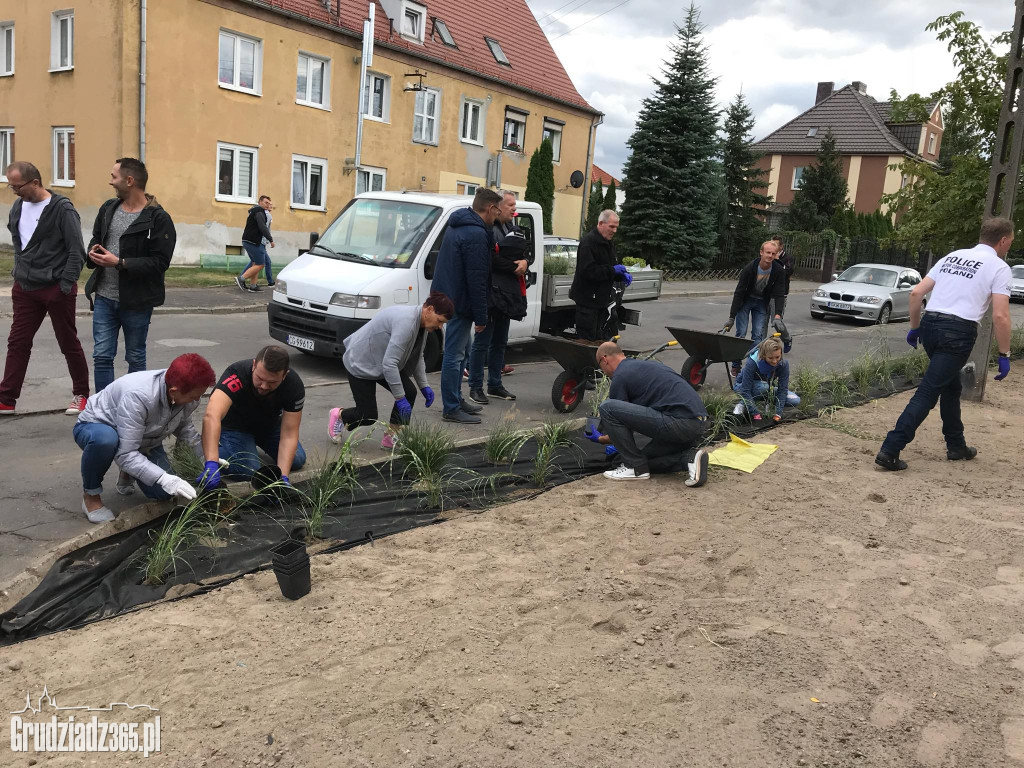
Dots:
{"x": 877, "y": 293}
{"x": 1017, "y": 284}
{"x": 561, "y": 246}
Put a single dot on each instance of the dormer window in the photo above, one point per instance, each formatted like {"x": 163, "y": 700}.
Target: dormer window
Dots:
{"x": 441, "y": 30}
{"x": 499, "y": 55}
{"x": 412, "y": 22}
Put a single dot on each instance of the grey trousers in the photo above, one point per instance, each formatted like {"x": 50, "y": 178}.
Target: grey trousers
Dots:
{"x": 672, "y": 443}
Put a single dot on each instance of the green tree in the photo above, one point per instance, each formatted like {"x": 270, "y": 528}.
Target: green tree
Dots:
{"x": 822, "y": 190}
{"x": 742, "y": 231}
{"x": 594, "y": 205}
{"x": 540, "y": 181}
{"x": 668, "y": 217}
{"x": 609, "y": 203}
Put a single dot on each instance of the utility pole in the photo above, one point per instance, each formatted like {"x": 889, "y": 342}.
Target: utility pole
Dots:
{"x": 1002, "y": 191}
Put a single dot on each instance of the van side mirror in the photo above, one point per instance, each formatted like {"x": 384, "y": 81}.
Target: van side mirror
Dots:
{"x": 313, "y": 238}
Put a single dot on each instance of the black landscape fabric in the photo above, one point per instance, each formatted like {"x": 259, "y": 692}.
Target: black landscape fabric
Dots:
{"x": 105, "y": 579}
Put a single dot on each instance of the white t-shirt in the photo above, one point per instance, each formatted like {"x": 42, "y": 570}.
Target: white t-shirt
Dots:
{"x": 965, "y": 281}
{"x": 30, "y": 213}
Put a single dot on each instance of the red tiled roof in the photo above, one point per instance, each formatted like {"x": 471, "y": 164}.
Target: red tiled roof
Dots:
{"x": 606, "y": 179}
{"x": 535, "y": 66}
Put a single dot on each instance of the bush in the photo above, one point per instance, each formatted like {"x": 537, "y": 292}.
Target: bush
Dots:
{"x": 807, "y": 382}
{"x": 556, "y": 265}
{"x": 505, "y": 440}
{"x": 719, "y": 405}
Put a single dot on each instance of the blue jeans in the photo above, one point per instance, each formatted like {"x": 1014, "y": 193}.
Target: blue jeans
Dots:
{"x": 107, "y": 320}
{"x": 756, "y": 311}
{"x": 239, "y": 448}
{"x": 489, "y": 345}
{"x": 948, "y": 341}
{"x": 672, "y": 442}
{"x": 258, "y": 254}
{"x": 456, "y": 336}
{"x": 99, "y": 444}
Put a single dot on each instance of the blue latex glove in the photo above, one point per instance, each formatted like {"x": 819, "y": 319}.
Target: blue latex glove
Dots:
{"x": 620, "y": 270}
{"x": 286, "y": 481}
{"x": 611, "y": 450}
{"x": 210, "y": 478}
{"x": 912, "y": 336}
{"x": 592, "y": 434}
{"x": 428, "y": 396}
{"x": 1004, "y": 368}
{"x": 628, "y": 278}
{"x": 404, "y": 408}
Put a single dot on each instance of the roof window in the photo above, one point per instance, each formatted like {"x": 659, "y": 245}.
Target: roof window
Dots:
{"x": 441, "y": 29}
{"x": 499, "y": 55}
{"x": 812, "y": 133}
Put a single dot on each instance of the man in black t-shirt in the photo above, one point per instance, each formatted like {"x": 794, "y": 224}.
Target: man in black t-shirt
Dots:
{"x": 256, "y": 404}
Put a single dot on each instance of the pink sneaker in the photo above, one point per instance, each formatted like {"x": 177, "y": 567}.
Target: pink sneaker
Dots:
{"x": 7, "y": 410}
{"x": 388, "y": 442}
{"x": 77, "y": 405}
{"x": 335, "y": 426}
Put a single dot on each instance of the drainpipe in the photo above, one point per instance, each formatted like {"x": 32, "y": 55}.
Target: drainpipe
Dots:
{"x": 142, "y": 81}
{"x": 364, "y": 61}
{"x": 586, "y": 176}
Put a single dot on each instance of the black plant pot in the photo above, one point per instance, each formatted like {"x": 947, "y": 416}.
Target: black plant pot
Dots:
{"x": 294, "y": 582}
{"x": 264, "y": 476}
{"x": 289, "y": 553}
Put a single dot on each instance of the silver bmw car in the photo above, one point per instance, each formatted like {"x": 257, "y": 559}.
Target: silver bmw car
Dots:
{"x": 876, "y": 293}
{"x": 1017, "y": 284}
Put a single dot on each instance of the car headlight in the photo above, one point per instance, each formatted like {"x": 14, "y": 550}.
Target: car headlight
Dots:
{"x": 821, "y": 293}
{"x": 869, "y": 299}
{"x": 281, "y": 286}
{"x": 359, "y": 302}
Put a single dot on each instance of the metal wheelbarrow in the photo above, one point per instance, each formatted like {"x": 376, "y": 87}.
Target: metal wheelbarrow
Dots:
{"x": 705, "y": 348}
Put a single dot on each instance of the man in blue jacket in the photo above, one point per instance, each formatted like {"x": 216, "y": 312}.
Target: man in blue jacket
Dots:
{"x": 463, "y": 274}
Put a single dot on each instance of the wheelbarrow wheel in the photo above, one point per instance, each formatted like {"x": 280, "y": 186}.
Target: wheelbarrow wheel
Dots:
{"x": 695, "y": 370}
{"x": 564, "y": 393}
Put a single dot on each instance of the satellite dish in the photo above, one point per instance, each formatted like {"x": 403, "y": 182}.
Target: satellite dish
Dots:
{"x": 576, "y": 180}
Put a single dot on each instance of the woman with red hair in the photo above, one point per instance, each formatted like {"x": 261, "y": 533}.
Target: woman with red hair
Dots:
{"x": 126, "y": 424}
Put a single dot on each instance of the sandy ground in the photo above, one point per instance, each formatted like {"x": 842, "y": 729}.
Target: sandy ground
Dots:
{"x": 816, "y": 613}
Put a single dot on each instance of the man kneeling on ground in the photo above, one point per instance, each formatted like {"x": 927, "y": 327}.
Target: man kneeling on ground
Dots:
{"x": 648, "y": 398}
{"x": 127, "y": 422}
{"x": 257, "y": 404}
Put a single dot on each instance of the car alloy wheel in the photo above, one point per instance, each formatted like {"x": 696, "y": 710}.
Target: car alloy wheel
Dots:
{"x": 884, "y": 314}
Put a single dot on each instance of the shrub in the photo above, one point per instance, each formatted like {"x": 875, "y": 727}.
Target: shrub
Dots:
{"x": 426, "y": 450}
{"x": 807, "y": 381}
{"x": 505, "y": 441}
{"x": 556, "y": 265}
{"x": 553, "y": 437}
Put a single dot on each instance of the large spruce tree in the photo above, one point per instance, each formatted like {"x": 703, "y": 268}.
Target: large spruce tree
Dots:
{"x": 668, "y": 217}
{"x": 743, "y": 230}
{"x": 540, "y": 181}
{"x": 822, "y": 190}
{"x": 609, "y": 203}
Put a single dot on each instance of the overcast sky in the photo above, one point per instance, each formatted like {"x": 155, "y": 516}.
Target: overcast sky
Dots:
{"x": 776, "y": 51}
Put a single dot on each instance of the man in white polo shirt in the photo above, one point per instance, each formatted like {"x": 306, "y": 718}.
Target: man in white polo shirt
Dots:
{"x": 962, "y": 285}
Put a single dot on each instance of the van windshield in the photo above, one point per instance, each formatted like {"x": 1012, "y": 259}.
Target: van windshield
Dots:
{"x": 388, "y": 233}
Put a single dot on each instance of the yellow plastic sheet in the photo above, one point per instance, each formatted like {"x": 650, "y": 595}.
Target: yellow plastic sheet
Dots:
{"x": 741, "y": 455}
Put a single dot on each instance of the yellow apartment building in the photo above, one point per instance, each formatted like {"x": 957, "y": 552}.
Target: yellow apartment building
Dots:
{"x": 226, "y": 100}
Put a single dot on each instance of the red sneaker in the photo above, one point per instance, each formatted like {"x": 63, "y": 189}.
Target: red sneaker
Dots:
{"x": 77, "y": 405}
{"x": 507, "y": 370}
{"x": 465, "y": 373}
{"x": 6, "y": 410}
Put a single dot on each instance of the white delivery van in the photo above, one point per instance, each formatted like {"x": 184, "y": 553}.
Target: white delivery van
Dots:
{"x": 381, "y": 250}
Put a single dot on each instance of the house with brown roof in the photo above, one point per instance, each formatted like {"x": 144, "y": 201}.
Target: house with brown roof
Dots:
{"x": 234, "y": 99}
{"x": 598, "y": 174}
{"x": 866, "y": 138}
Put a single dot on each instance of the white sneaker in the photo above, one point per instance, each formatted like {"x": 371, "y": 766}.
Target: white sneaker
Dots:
{"x": 626, "y": 473}
{"x": 697, "y": 469}
{"x": 125, "y": 484}
{"x": 738, "y": 409}
{"x": 101, "y": 515}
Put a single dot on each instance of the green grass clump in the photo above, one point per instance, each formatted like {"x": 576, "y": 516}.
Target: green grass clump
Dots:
{"x": 185, "y": 463}
{"x": 602, "y": 386}
{"x": 836, "y": 386}
{"x": 505, "y": 440}
{"x": 554, "y": 436}
{"x": 910, "y": 366}
{"x": 719, "y": 405}
{"x": 556, "y": 265}
{"x": 199, "y": 518}
{"x": 426, "y": 450}
{"x": 807, "y": 382}
{"x": 333, "y": 478}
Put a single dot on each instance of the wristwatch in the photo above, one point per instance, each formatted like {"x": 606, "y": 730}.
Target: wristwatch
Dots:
{"x": 1004, "y": 354}
{"x": 120, "y": 263}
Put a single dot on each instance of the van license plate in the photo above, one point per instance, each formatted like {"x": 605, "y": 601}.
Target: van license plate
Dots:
{"x": 833, "y": 305}
{"x": 301, "y": 343}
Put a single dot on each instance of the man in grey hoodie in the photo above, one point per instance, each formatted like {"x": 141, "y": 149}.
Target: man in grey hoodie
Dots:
{"x": 48, "y": 257}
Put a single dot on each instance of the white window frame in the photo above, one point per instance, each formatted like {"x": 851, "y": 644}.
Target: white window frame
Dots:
{"x": 471, "y": 104}
{"x": 6, "y": 151}
{"x": 235, "y": 149}
{"x": 55, "y": 40}
{"x": 496, "y": 49}
{"x": 370, "y": 172}
{"x": 516, "y": 117}
{"x": 310, "y": 162}
{"x": 931, "y": 143}
{"x": 5, "y": 50}
{"x": 408, "y": 9}
{"x": 798, "y": 177}
{"x": 466, "y": 187}
{"x": 436, "y": 134}
{"x": 325, "y": 83}
{"x": 552, "y": 127}
{"x": 385, "y": 106}
{"x": 257, "y": 75}
{"x": 68, "y": 131}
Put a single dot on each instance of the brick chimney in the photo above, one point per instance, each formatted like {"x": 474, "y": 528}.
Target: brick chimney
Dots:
{"x": 858, "y": 86}
{"x": 824, "y": 91}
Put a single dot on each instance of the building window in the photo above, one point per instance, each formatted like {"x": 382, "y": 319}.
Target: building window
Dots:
{"x": 309, "y": 182}
{"x": 812, "y": 132}
{"x": 376, "y": 101}
{"x": 312, "y": 84}
{"x": 413, "y": 17}
{"x": 240, "y": 62}
{"x": 6, "y": 51}
{"x": 499, "y": 55}
{"x": 798, "y": 177}
{"x": 6, "y": 150}
{"x": 553, "y": 133}
{"x": 62, "y": 40}
{"x": 441, "y": 30}
{"x": 466, "y": 188}
{"x": 370, "y": 180}
{"x": 931, "y": 143}
{"x": 64, "y": 157}
{"x": 236, "y": 173}
{"x": 425, "y": 116}
{"x": 472, "y": 129}
{"x": 515, "y": 131}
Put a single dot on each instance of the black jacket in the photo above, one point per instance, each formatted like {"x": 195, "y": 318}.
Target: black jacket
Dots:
{"x": 146, "y": 248}
{"x": 256, "y": 227}
{"x": 775, "y": 289}
{"x": 595, "y": 272}
{"x": 506, "y": 296}
{"x": 54, "y": 252}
